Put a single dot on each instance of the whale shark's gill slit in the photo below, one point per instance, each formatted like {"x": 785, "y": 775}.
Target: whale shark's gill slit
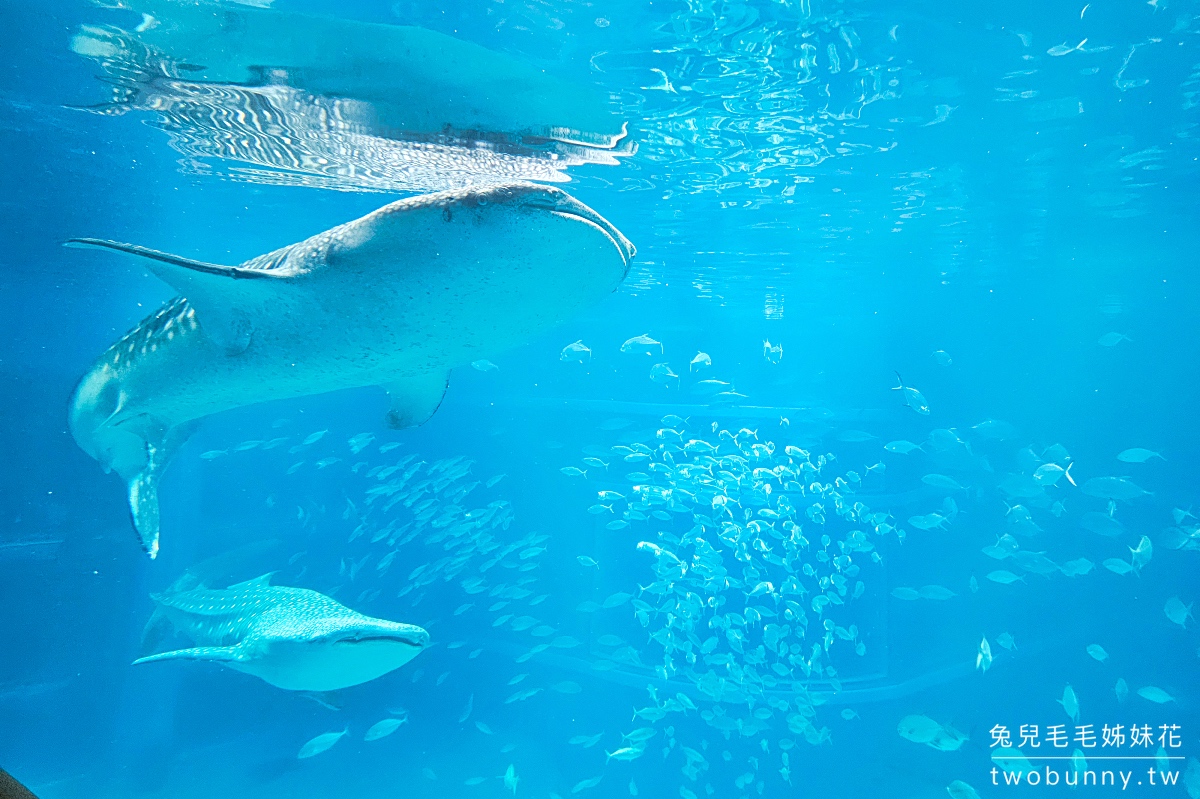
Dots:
{"x": 163, "y": 257}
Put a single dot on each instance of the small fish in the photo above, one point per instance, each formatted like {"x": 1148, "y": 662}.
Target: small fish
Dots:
{"x": 1007, "y": 641}
{"x": 912, "y": 398}
{"x": 937, "y": 592}
{"x": 942, "y": 357}
{"x": 511, "y": 779}
{"x": 625, "y": 753}
{"x": 1070, "y": 702}
{"x": 701, "y": 361}
{"x": 641, "y": 343}
{"x": 1004, "y": 577}
{"x": 709, "y": 386}
{"x": 320, "y": 744}
{"x": 573, "y": 471}
{"x": 901, "y": 447}
{"x": 1140, "y": 555}
{"x": 1097, "y": 652}
{"x": 1156, "y": 695}
{"x": 576, "y": 352}
{"x": 661, "y": 373}
{"x": 983, "y": 660}
{"x": 772, "y": 352}
{"x": 213, "y": 453}
{"x": 961, "y": 790}
{"x": 1138, "y": 455}
{"x": 596, "y": 463}
{"x": 493, "y": 480}
{"x": 583, "y": 785}
{"x": 466, "y": 711}
{"x": 585, "y": 560}
{"x": 616, "y": 600}
{"x": 1178, "y": 612}
{"x": 314, "y": 437}
{"x": 586, "y": 741}
{"x": 483, "y": 728}
{"x": 1117, "y": 566}
{"x": 1059, "y": 50}
{"x": 484, "y": 366}
{"x": 381, "y": 729}
{"x": 1112, "y": 339}
{"x": 942, "y": 481}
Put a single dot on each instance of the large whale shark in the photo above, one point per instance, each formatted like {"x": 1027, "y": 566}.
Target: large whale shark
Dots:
{"x": 395, "y": 299}
{"x": 292, "y": 638}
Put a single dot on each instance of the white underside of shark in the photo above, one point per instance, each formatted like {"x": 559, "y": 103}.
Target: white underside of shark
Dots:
{"x": 397, "y": 299}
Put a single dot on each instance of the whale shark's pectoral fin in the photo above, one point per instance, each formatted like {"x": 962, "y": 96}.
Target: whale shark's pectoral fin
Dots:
{"x": 223, "y": 308}
{"x": 414, "y": 399}
{"x": 215, "y": 654}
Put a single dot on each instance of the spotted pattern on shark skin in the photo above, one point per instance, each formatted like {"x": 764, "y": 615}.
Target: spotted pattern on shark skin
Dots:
{"x": 175, "y": 319}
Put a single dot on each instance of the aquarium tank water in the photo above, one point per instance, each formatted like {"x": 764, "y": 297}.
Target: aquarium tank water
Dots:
{"x": 674, "y": 399}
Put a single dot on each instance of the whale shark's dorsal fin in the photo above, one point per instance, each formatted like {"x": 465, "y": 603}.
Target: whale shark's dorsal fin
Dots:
{"x": 222, "y": 308}
{"x": 262, "y": 581}
{"x": 217, "y": 654}
{"x": 414, "y": 399}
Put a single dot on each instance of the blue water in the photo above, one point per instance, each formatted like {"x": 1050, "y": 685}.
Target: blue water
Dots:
{"x": 994, "y": 204}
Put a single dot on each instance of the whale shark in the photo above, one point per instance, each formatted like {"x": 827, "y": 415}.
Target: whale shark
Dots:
{"x": 396, "y": 299}
{"x": 414, "y": 111}
{"x": 413, "y": 79}
{"x": 292, "y": 638}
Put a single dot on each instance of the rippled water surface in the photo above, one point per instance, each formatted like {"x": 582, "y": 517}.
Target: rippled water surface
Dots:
{"x": 742, "y": 399}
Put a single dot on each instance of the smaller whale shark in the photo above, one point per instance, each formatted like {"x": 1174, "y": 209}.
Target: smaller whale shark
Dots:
{"x": 293, "y": 638}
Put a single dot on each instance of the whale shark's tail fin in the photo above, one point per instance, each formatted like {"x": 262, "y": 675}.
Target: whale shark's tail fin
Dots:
{"x": 143, "y": 485}
{"x": 143, "y": 506}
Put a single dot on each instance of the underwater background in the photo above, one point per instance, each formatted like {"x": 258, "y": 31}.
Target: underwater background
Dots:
{"x": 934, "y": 472}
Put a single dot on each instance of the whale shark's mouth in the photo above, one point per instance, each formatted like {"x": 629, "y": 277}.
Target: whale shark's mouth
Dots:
{"x": 418, "y": 639}
{"x": 569, "y": 207}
